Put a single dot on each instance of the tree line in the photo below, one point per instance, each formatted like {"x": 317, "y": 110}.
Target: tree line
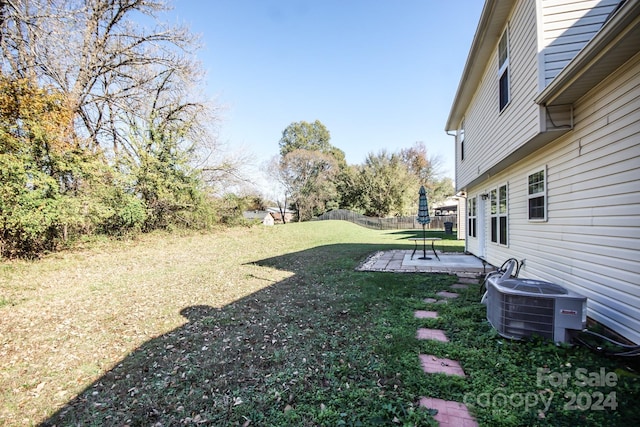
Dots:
{"x": 104, "y": 130}
{"x": 314, "y": 176}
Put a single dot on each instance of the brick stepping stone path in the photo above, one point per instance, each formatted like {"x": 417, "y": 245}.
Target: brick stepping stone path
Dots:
{"x": 446, "y": 294}
{"x": 436, "y": 365}
{"x": 431, "y": 334}
{"x": 424, "y": 314}
{"x": 450, "y": 414}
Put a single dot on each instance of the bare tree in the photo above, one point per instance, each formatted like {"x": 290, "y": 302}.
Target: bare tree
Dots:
{"x": 96, "y": 54}
{"x": 224, "y": 171}
{"x": 127, "y": 77}
{"x": 278, "y": 191}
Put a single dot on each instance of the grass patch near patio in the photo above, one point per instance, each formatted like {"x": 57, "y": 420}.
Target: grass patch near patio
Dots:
{"x": 259, "y": 326}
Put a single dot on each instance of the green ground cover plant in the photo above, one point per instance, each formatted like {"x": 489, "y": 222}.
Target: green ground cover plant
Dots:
{"x": 267, "y": 327}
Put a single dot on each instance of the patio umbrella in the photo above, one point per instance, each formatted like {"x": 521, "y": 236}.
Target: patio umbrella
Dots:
{"x": 423, "y": 218}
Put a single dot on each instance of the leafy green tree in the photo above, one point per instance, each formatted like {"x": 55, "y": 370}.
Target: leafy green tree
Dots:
{"x": 169, "y": 136}
{"x": 308, "y": 177}
{"x": 441, "y": 188}
{"x": 159, "y": 155}
{"x": 120, "y": 141}
{"x": 167, "y": 186}
{"x": 33, "y": 143}
{"x": 111, "y": 70}
{"x": 255, "y": 202}
{"x": 350, "y": 189}
{"x": 308, "y": 168}
{"x": 231, "y": 207}
{"x": 386, "y": 185}
{"x": 51, "y": 189}
{"x": 423, "y": 167}
{"x": 426, "y": 171}
{"x": 309, "y": 136}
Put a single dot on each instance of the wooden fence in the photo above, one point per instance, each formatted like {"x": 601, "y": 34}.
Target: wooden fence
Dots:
{"x": 393, "y": 223}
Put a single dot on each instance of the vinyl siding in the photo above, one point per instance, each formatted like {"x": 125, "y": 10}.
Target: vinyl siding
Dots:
{"x": 461, "y": 226}
{"x": 590, "y": 242}
{"x": 490, "y": 135}
{"x": 566, "y": 27}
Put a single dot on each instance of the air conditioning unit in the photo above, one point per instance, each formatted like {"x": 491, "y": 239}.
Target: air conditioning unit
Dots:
{"x": 519, "y": 308}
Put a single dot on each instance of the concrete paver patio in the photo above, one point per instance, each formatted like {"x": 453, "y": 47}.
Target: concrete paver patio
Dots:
{"x": 399, "y": 261}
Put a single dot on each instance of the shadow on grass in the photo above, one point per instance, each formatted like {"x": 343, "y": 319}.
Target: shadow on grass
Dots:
{"x": 333, "y": 346}
{"x": 295, "y": 353}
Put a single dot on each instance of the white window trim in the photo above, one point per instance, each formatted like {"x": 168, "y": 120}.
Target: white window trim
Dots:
{"x": 461, "y": 140}
{"x": 504, "y": 67}
{"x": 543, "y": 194}
{"x": 472, "y": 214}
{"x": 499, "y": 215}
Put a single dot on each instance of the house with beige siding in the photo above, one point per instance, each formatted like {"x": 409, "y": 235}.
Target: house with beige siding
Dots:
{"x": 547, "y": 132}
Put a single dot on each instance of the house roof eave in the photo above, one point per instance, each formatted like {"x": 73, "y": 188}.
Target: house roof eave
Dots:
{"x": 533, "y": 144}
{"x": 493, "y": 18}
{"x": 616, "y": 42}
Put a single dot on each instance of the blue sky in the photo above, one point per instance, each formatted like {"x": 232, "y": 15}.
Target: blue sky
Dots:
{"x": 379, "y": 74}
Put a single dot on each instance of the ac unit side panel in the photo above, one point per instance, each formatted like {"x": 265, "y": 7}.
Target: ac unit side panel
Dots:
{"x": 517, "y": 314}
{"x": 570, "y": 313}
{"x": 494, "y": 307}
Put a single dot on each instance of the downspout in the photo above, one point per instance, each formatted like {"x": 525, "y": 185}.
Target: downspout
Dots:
{"x": 459, "y": 194}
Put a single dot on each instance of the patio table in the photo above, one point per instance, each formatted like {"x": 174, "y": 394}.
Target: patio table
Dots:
{"x": 424, "y": 240}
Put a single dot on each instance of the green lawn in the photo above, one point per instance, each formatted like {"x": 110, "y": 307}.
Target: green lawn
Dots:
{"x": 265, "y": 327}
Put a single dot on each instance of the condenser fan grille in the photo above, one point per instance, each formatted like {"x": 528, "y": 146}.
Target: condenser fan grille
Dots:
{"x": 520, "y": 308}
{"x": 525, "y": 316}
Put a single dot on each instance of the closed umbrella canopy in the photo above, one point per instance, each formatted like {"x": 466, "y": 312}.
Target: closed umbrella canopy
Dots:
{"x": 423, "y": 207}
{"x": 423, "y": 218}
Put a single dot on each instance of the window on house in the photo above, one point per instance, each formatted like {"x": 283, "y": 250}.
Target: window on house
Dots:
{"x": 461, "y": 136}
{"x": 499, "y": 215}
{"x": 503, "y": 69}
{"x": 502, "y": 214}
{"x": 471, "y": 215}
{"x": 493, "y": 197}
{"x": 537, "y": 195}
